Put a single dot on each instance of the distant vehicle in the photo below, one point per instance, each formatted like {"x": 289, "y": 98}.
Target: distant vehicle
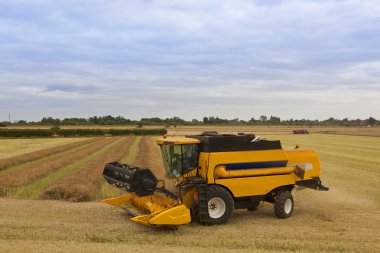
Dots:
{"x": 300, "y": 131}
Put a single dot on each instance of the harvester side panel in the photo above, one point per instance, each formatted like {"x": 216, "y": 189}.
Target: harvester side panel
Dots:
{"x": 307, "y": 160}
{"x": 252, "y": 186}
{"x": 203, "y": 164}
{"x": 243, "y": 157}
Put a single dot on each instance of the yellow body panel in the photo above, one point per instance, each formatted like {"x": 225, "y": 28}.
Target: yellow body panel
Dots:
{"x": 188, "y": 197}
{"x": 222, "y": 172}
{"x": 253, "y": 186}
{"x": 118, "y": 201}
{"x": 222, "y": 158}
{"x": 178, "y": 215}
{"x": 304, "y": 158}
{"x": 203, "y": 164}
{"x": 161, "y": 209}
{"x": 257, "y": 181}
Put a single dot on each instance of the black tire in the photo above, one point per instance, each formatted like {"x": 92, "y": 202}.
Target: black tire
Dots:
{"x": 283, "y": 205}
{"x": 253, "y": 206}
{"x": 217, "y": 197}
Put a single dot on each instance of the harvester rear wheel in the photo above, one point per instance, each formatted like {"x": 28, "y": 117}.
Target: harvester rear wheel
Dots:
{"x": 283, "y": 205}
{"x": 220, "y": 205}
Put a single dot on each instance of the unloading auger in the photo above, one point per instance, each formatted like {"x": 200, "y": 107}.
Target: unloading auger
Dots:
{"x": 214, "y": 174}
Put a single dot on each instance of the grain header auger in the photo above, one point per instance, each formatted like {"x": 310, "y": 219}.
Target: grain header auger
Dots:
{"x": 214, "y": 174}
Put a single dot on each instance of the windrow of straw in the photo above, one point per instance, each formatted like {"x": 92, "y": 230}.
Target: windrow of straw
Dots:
{"x": 149, "y": 156}
{"x": 37, "y": 171}
{"x": 12, "y": 161}
{"x": 81, "y": 184}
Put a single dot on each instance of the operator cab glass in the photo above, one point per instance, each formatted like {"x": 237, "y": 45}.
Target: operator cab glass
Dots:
{"x": 179, "y": 159}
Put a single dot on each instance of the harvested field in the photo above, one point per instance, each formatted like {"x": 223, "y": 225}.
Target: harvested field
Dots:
{"x": 267, "y": 130}
{"x": 28, "y": 175}
{"x": 321, "y": 223}
{"x": 15, "y": 147}
{"x": 345, "y": 219}
{"x": 11, "y": 161}
{"x": 81, "y": 184}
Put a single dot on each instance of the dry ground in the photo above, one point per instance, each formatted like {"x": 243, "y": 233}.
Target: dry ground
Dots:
{"x": 322, "y": 222}
{"x": 345, "y": 219}
{"x": 14, "y": 147}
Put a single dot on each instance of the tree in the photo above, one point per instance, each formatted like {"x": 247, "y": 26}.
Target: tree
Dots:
{"x": 263, "y": 118}
{"x": 371, "y": 121}
{"x": 50, "y": 121}
{"x": 274, "y": 120}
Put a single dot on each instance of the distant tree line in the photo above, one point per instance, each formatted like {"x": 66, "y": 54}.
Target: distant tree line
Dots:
{"x": 174, "y": 121}
{"x": 72, "y": 132}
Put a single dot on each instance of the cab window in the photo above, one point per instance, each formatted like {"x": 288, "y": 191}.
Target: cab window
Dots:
{"x": 179, "y": 159}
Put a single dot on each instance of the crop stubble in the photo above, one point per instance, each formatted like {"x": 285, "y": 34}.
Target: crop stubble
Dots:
{"x": 39, "y": 170}
{"x": 12, "y": 161}
{"x": 81, "y": 184}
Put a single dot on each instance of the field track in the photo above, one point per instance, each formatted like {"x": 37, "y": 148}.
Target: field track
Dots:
{"x": 81, "y": 184}
{"x": 5, "y": 163}
{"x": 149, "y": 157}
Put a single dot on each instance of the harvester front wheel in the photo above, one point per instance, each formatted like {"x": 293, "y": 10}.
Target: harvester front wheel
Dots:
{"x": 283, "y": 204}
{"x": 220, "y": 205}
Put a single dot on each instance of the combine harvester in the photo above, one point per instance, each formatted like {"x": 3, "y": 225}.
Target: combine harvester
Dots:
{"x": 214, "y": 174}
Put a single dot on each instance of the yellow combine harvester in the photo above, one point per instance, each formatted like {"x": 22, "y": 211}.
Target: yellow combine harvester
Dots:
{"x": 214, "y": 174}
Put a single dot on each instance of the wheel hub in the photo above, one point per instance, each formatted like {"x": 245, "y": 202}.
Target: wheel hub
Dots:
{"x": 216, "y": 207}
{"x": 288, "y": 206}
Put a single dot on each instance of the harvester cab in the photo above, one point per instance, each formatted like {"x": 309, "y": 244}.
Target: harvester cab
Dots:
{"x": 180, "y": 156}
{"x": 214, "y": 174}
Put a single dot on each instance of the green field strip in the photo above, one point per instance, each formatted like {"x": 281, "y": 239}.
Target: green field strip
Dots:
{"x": 26, "y": 165}
{"x": 34, "y": 190}
{"x": 131, "y": 154}
{"x": 367, "y": 147}
{"x": 108, "y": 191}
{"x": 368, "y": 159}
{"x": 338, "y": 141}
{"x": 367, "y": 155}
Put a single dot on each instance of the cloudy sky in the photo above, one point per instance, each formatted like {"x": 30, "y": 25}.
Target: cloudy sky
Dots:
{"x": 232, "y": 59}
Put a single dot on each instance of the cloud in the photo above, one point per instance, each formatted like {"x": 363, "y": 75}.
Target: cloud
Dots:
{"x": 314, "y": 59}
